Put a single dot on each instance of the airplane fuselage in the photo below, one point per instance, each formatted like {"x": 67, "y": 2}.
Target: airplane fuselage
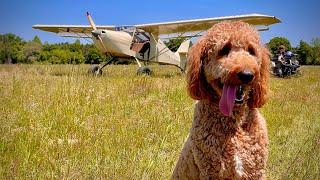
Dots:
{"x": 117, "y": 43}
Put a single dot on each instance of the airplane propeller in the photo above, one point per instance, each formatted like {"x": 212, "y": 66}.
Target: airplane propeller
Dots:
{"x": 94, "y": 32}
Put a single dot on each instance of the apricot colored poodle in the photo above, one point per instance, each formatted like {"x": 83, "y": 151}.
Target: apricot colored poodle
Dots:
{"x": 227, "y": 74}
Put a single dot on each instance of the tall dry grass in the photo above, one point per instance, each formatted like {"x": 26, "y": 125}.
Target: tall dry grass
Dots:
{"x": 58, "y": 122}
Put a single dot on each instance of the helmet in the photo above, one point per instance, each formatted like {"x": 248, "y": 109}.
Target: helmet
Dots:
{"x": 288, "y": 54}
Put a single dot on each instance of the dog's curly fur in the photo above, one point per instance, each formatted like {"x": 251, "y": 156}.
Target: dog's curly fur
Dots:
{"x": 220, "y": 146}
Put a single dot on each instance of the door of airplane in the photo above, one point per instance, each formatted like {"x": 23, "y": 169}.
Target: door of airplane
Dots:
{"x": 141, "y": 43}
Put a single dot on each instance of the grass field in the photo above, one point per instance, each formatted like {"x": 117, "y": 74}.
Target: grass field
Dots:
{"x": 58, "y": 122}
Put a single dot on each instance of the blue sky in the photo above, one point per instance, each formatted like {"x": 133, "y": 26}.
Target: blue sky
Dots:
{"x": 300, "y": 19}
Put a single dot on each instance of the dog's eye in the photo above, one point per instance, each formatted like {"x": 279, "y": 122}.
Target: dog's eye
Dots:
{"x": 251, "y": 51}
{"x": 225, "y": 50}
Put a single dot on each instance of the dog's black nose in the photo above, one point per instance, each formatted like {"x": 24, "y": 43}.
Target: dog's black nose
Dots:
{"x": 245, "y": 76}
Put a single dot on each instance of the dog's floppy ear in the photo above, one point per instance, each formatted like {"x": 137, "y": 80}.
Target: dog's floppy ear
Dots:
{"x": 196, "y": 82}
{"x": 259, "y": 92}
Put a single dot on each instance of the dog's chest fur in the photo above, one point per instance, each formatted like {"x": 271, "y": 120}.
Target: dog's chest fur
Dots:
{"x": 228, "y": 148}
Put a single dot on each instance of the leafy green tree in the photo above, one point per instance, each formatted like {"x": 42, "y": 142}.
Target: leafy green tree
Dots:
{"x": 174, "y": 43}
{"x": 11, "y": 49}
{"x": 61, "y": 56}
{"x": 274, "y": 44}
{"x": 36, "y": 39}
{"x": 315, "y": 55}
{"x": 304, "y": 52}
{"x": 58, "y": 56}
{"x": 44, "y": 56}
{"x": 75, "y": 58}
{"x": 32, "y": 50}
{"x": 48, "y": 47}
{"x": 14, "y": 50}
{"x": 94, "y": 56}
{"x": 316, "y": 42}
{"x": 75, "y": 47}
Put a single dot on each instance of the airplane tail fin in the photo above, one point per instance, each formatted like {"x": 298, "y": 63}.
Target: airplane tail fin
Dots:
{"x": 182, "y": 52}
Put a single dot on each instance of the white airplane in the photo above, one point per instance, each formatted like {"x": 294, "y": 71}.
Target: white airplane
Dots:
{"x": 142, "y": 42}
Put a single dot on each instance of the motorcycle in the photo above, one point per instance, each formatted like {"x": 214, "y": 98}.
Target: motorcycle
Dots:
{"x": 285, "y": 66}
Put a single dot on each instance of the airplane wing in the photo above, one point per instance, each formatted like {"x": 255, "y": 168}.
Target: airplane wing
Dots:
{"x": 71, "y": 30}
{"x": 197, "y": 25}
{"x": 174, "y": 27}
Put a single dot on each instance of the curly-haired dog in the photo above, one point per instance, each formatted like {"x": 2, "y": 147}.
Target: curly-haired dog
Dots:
{"x": 228, "y": 74}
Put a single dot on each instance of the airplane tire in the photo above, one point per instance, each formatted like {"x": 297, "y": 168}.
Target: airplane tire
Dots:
{"x": 144, "y": 70}
{"x": 95, "y": 70}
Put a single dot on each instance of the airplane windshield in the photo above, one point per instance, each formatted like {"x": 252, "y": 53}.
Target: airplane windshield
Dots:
{"x": 125, "y": 28}
{"x": 139, "y": 34}
{"x": 142, "y": 36}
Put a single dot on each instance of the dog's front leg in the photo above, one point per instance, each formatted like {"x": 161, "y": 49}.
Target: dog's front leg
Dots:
{"x": 186, "y": 167}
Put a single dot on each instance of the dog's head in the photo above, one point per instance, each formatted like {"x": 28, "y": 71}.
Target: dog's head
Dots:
{"x": 231, "y": 64}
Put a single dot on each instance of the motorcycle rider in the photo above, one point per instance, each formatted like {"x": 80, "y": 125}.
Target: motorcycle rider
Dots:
{"x": 281, "y": 53}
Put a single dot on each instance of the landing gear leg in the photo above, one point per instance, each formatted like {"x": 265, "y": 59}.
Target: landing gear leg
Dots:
{"x": 96, "y": 69}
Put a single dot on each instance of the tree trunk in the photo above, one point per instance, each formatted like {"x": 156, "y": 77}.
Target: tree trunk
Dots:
{"x": 8, "y": 60}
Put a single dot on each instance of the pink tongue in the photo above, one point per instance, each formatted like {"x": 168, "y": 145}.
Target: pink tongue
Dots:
{"x": 227, "y": 99}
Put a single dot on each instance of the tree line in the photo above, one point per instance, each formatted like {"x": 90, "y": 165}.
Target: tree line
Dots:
{"x": 13, "y": 49}
{"x": 307, "y": 53}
